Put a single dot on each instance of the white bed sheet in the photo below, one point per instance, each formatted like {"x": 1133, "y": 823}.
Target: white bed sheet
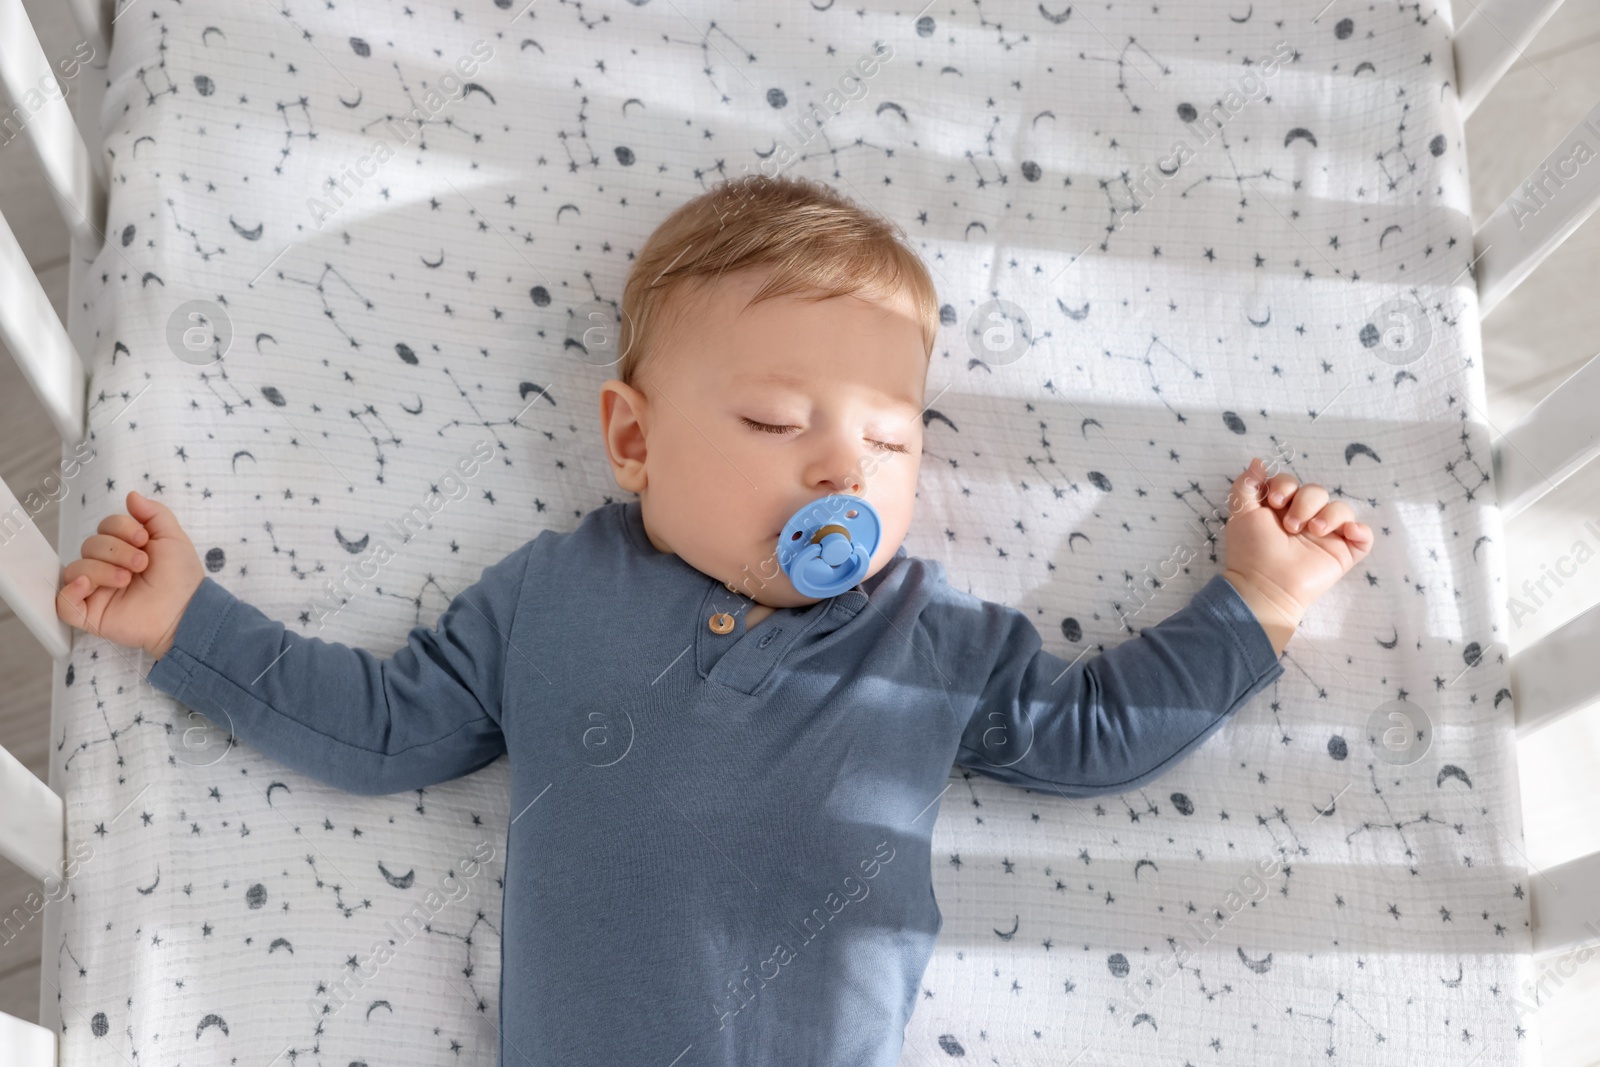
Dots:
{"x": 1240, "y": 311}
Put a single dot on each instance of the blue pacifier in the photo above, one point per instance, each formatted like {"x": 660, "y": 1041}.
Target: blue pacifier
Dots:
{"x": 826, "y": 547}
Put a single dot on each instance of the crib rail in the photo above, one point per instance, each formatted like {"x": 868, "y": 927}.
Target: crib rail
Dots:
{"x": 1489, "y": 40}
{"x": 39, "y": 111}
{"x": 1558, "y": 674}
{"x": 37, "y": 339}
{"x": 1549, "y": 444}
{"x": 32, "y": 834}
{"x": 1552, "y": 202}
{"x": 1563, "y": 906}
{"x": 30, "y": 572}
{"x": 93, "y": 18}
{"x": 29, "y": 568}
{"x": 33, "y": 825}
{"x": 23, "y": 1044}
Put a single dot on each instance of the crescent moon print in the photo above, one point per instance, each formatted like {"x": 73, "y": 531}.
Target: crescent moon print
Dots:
{"x": 1199, "y": 233}
{"x": 398, "y": 881}
{"x": 1355, "y": 449}
{"x": 1261, "y": 966}
{"x": 355, "y": 548}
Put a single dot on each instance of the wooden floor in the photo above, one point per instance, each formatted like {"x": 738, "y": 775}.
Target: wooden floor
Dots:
{"x": 1539, "y": 335}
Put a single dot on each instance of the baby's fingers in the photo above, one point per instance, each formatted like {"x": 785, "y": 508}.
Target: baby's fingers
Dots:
{"x": 1308, "y": 500}
{"x": 113, "y": 550}
{"x": 126, "y": 527}
{"x": 1330, "y": 518}
{"x": 69, "y": 601}
{"x": 1358, "y": 534}
{"x": 98, "y": 572}
{"x": 71, "y": 606}
{"x": 1280, "y": 489}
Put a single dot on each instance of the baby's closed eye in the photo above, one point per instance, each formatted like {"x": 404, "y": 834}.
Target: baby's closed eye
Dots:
{"x": 767, "y": 428}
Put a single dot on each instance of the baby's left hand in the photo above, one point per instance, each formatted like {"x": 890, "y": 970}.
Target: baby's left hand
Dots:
{"x": 1287, "y": 545}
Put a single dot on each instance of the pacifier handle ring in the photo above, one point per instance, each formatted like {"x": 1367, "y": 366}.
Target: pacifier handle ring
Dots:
{"x": 824, "y": 531}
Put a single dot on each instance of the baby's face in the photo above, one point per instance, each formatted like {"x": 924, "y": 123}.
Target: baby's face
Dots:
{"x": 744, "y": 416}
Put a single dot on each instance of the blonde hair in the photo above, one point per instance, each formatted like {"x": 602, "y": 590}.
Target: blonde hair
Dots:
{"x": 817, "y": 240}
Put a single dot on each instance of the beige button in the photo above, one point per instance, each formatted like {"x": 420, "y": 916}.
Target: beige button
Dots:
{"x": 721, "y": 623}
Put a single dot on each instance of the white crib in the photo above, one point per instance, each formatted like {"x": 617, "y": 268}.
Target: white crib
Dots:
{"x": 1557, "y": 676}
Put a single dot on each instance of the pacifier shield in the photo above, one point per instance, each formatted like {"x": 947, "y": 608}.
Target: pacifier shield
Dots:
{"x": 826, "y": 547}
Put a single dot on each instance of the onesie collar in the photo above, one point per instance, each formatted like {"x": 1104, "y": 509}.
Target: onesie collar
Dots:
{"x": 743, "y": 659}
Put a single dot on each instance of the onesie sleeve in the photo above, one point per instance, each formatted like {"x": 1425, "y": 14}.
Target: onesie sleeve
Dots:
{"x": 428, "y": 713}
{"x": 1106, "y": 723}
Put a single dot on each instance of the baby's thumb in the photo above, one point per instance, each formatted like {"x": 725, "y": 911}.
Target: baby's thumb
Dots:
{"x": 1247, "y": 488}
{"x": 155, "y": 517}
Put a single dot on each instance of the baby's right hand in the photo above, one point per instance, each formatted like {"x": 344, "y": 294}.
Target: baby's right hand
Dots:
{"x": 134, "y": 580}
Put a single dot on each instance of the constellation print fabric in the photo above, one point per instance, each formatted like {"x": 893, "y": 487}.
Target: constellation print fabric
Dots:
{"x": 343, "y": 327}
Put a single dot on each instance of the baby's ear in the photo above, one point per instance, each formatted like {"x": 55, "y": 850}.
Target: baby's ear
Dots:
{"x": 622, "y": 413}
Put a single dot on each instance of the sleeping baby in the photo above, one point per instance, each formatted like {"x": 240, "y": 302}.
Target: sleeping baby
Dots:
{"x": 723, "y": 789}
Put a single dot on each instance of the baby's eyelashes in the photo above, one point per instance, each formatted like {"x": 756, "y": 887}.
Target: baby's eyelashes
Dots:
{"x": 782, "y": 430}
{"x": 764, "y": 427}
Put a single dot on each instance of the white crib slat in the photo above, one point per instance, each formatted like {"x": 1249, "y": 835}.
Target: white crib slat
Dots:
{"x": 31, "y": 836}
{"x": 38, "y": 341}
{"x": 30, "y": 574}
{"x": 22, "y": 1044}
{"x": 1550, "y": 443}
{"x": 48, "y": 122}
{"x": 1489, "y": 40}
{"x": 1558, "y": 674}
{"x": 1554, "y": 200}
{"x": 1564, "y": 905}
{"x": 93, "y": 18}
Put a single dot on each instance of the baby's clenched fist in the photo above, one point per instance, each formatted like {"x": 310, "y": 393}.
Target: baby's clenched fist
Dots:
{"x": 134, "y": 580}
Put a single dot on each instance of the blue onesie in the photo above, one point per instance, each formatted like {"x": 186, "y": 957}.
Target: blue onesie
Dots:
{"x": 729, "y": 858}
